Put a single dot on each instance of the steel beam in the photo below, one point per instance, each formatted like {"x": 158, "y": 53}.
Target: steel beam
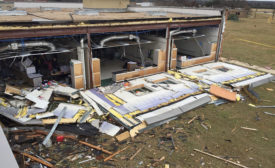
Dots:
{"x": 91, "y": 79}
{"x": 167, "y": 46}
{"x": 195, "y": 23}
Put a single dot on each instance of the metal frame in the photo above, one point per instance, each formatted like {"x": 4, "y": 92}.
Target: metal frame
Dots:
{"x": 18, "y": 33}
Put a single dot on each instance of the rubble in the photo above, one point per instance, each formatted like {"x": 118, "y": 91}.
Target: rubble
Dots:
{"x": 109, "y": 111}
{"x": 217, "y": 157}
{"x": 119, "y": 84}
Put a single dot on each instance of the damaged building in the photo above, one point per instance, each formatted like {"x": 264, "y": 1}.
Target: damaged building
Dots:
{"x": 140, "y": 66}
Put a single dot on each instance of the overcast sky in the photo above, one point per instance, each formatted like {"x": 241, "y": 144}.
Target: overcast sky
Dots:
{"x": 262, "y": 0}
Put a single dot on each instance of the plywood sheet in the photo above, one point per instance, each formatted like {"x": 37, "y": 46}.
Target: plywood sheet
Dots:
{"x": 223, "y": 93}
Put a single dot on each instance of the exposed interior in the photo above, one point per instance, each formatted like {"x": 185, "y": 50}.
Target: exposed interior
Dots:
{"x": 35, "y": 61}
{"x": 127, "y": 55}
{"x": 196, "y": 46}
{"x": 116, "y": 56}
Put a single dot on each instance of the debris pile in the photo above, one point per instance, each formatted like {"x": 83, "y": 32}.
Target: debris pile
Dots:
{"x": 56, "y": 113}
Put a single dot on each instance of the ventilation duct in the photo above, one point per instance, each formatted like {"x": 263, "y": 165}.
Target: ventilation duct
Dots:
{"x": 16, "y": 46}
{"x": 130, "y": 37}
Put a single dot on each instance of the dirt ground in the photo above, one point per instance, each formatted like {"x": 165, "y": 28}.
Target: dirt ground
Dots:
{"x": 217, "y": 130}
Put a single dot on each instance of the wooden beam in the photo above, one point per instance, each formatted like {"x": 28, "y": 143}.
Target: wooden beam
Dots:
{"x": 96, "y": 147}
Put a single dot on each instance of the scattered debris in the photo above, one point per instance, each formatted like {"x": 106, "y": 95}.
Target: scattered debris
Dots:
{"x": 251, "y": 94}
{"x": 251, "y": 129}
{"x": 204, "y": 126}
{"x": 109, "y": 129}
{"x": 194, "y": 118}
{"x": 268, "y": 113}
{"x": 137, "y": 152}
{"x": 10, "y": 90}
{"x": 223, "y": 93}
{"x": 252, "y": 105}
{"x": 123, "y": 136}
{"x": 47, "y": 140}
{"x": 44, "y": 162}
{"x": 217, "y": 157}
{"x": 96, "y": 147}
{"x": 89, "y": 159}
{"x": 134, "y": 131}
{"x": 158, "y": 160}
{"x": 111, "y": 156}
{"x": 269, "y": 89}
{"x": 265, "y": 138}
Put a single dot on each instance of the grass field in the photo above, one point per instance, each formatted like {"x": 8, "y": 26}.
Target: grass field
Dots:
{"x": 256, "y": 30}
{"x": 224, "y": 136}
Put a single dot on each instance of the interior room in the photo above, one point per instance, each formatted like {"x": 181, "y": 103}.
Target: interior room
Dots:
{"x": 193, "y": 46}
{"x": 125, "y": 55}
{"x": 36, "y": 61}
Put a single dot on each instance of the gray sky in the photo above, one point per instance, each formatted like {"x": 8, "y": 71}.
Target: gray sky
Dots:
{"x": 262, "y": 0}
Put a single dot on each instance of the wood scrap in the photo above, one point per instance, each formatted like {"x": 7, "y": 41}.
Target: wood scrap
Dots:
{"x": 269, "y": 89}
{"x": 223, "y": 93}
{"x": 10, "y": 90}
{"x": 96, "y": 147}
{"x": 173, "y": 143}
{"x": 158, "y": 160}
{"x": 190, "y": 121}
{"x": 60, "y": 99}
{"x": 135, "y": 130}
{"x": 37, "y": 159}
{"x": 123, "y": 136}
{"x": 217, "y": 157}
{"x": 111, "y": 156}
{"x": 134, "y": 155}
{"x": 62, "y": 121}
{"x": 268, "y": 113}
{"x": 251, "y": 129}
